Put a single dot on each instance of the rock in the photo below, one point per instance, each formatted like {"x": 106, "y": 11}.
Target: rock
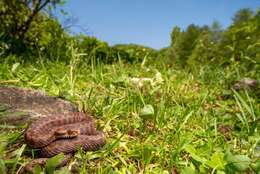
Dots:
{"x": 19, "y": 105}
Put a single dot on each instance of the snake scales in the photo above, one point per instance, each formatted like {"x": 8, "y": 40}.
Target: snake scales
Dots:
{"x": 65, "y": 134}
{"x": 56, "y": 127}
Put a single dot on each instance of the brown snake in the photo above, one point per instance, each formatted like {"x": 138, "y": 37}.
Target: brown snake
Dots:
{"x": 65, "y": 134}
{"x": 56, "y": 127}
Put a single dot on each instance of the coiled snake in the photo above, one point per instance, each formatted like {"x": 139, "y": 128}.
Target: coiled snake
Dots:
{"x": 65, "y": 134}
{"x": 56, "y": 127}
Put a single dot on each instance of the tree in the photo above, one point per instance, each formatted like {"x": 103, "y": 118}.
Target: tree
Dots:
{"x": 183, "y": 42}
{"x": 216, "y": 31}
{"x": 240, "y": 43}
{"x": 175, "y": 35}
{"x": 204, "y": 51}
{"x": 188, "y": 43}
{"x": 243, "y": 15}
{"x": 174, "y": 49}
{"x": 18, "y": 17}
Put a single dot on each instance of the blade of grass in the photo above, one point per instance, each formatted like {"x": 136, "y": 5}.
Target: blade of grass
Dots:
{"x": 17, "y": 158}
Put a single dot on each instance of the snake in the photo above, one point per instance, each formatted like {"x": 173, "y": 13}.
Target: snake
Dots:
{"x": 62, "y": 134}
{"x": 56, "y": 124}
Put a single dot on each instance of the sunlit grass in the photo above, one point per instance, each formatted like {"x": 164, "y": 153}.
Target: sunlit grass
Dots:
{"x": 157, "y": 126}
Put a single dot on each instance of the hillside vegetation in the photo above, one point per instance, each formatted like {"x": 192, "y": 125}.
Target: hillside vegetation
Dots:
{"x": 165, "y": 111}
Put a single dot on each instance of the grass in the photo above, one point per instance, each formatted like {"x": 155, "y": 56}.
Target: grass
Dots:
{"x": 167, "y": 124}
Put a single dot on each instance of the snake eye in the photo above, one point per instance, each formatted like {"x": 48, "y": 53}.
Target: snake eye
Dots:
{"x": 73, "y": 133}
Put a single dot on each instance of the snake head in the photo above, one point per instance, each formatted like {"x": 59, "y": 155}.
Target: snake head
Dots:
{"x": 60, "y": 132}
{"x": 64, "y": 133}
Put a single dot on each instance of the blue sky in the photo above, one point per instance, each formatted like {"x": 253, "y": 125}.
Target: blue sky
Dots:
{"x": 147, "y": 22}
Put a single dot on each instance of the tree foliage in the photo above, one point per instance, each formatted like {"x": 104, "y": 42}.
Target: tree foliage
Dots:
{"x": 21, "y": 22}
{"x": 183, "y": 43}
{"x": 243, "y": 15}
{"x": 236, "y": 45}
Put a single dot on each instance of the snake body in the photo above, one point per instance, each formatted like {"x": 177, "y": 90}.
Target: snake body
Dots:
{"x": 56, "y": 125}
{"x": 62, "y": 133}
{"x": 43, "y": 134}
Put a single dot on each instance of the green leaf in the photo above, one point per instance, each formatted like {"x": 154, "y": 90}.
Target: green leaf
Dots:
{"x": 3, "y": 145}
{"x": 53, "y": 162}
{"x": 2, "y": 166}
{"x": 192, "y": 151}
{"x": 147, "y": 153}
{"x": 188, "y": 170}
{"x": 220, "y": 172}
{"x": 63, "y": 170}
{"x": 238, "y": 162}
{"x": 147, "y": 112}
{"x": 37, "y": 169}
{"x": 3, "y": 108}
{"x": 15, "y": 66}
{"x": 216, "y": 161}
{"x": 256, "y": 166}
{"x": 18, "y": 153}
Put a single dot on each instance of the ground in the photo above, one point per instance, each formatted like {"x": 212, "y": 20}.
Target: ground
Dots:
{"x": 157, "y": 119}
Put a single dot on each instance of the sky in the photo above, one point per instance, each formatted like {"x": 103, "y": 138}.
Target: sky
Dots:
{"x": 146, "y": 22}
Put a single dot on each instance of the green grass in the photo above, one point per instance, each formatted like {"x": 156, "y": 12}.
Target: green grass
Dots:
{"x": 159, "y": 127}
